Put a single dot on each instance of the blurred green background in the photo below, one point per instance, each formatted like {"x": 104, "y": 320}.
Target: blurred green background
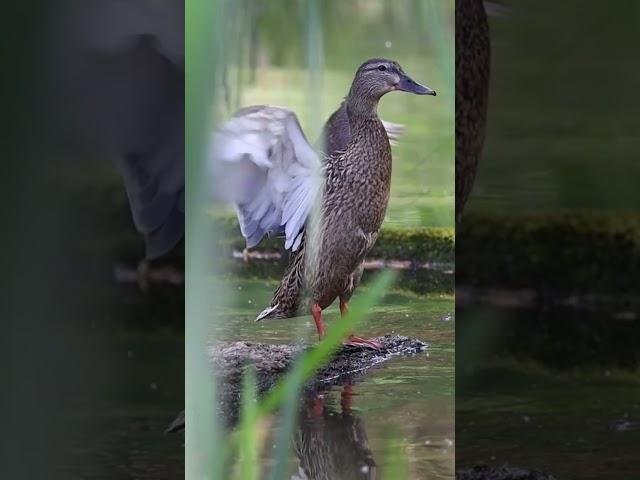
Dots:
{"x": 562, "y": 123}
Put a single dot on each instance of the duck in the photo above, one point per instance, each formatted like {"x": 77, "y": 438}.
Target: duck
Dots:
{"x": 264, "y": 165}
{"x": 473, "y": 66}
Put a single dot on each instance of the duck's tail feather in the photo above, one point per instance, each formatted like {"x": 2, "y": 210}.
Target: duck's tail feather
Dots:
{"x": 272, "y": 311}
{"x": 286, "y": 298}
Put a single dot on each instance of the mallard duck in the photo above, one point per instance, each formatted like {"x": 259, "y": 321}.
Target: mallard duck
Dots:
{"x": 472, "y": 93}
{"x": 264, "y": 164}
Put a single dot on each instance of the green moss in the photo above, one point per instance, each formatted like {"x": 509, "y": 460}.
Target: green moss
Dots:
{"x": 434, "y": 245}
{"x": 567, "y": 252}
{"x": 420, "y": 244}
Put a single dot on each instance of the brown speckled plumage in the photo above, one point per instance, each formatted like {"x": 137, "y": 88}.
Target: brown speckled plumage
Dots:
{"x": 472, "y": 91}
{"x": 357, "y": 179}
{"x": 356, "y": 193}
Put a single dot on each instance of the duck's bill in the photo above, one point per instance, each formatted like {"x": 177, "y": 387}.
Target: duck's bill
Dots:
{"x": 406, "y": 84}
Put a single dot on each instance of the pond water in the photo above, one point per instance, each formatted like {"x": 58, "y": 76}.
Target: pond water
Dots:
{"x": 140, "y": 384}
{"x": 557, "y": 400}
{"x": 407, "y": 399}
{"x": 136, "y": 389}
{"x": 566, "y": 427}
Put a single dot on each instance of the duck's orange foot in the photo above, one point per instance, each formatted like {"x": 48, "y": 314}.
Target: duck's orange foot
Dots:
{"x": 354, "y": 341}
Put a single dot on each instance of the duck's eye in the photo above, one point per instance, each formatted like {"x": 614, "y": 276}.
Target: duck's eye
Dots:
{"x": 382, "y": 68}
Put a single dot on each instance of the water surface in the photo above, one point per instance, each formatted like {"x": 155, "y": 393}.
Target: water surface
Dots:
{"x": 557, "y": 393}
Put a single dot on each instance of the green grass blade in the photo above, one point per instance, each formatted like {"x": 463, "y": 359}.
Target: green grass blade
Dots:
{"x": 202, "y": 459}
{"x": 395, "y": 461}
{"x": 248, "y": 435}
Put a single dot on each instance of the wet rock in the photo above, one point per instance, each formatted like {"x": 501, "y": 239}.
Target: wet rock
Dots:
{"x": 485, "y": 472}
{"x": 271, "y": 362}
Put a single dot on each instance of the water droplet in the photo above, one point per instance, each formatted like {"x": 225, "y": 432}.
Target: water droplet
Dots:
{"x": 364, "y": 469}
{"x": 526, "y": 419}
{"x": 388, "y": 44}
{"x": 153, "y": 386}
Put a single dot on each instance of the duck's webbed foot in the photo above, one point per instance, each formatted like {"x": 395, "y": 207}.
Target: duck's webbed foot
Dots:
{"x": 354, "y": 341}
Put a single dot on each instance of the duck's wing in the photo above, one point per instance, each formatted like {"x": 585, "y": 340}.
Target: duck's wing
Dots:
{"x": 263, "y": 164}
{"x": 394, "y": 131}
{"x": 119, "y": 74}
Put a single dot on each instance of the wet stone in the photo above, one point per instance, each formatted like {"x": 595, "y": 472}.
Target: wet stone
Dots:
{"x": 271, "y": 362}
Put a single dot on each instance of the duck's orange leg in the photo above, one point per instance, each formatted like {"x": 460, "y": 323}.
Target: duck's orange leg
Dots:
{"x": 344, "y": 308}
{"x": 316, "y": 311}
{"x": 352, "y": 339}
{"x": 346, "y": 397}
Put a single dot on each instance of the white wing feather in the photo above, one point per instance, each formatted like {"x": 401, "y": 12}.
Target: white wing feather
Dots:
{"x": 263, "y": 164}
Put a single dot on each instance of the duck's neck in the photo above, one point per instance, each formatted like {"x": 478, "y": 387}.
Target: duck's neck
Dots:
{"x": 361, "y": 104}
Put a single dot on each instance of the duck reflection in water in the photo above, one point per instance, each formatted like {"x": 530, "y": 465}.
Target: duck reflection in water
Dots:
{"x": 332, "y": 444}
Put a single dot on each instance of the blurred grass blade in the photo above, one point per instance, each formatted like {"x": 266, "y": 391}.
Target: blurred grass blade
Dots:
{"x": 314, "y": 358}
{"x": 249, "y": 439}
{"x": 395, "y": 461}
{"x": 202, "y": 458}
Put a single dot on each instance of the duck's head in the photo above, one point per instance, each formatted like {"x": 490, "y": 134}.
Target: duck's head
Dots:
{"x": 378, "y": 76}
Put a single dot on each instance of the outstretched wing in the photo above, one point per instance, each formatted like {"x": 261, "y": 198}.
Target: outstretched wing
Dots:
{"x": 263, "y": 164}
